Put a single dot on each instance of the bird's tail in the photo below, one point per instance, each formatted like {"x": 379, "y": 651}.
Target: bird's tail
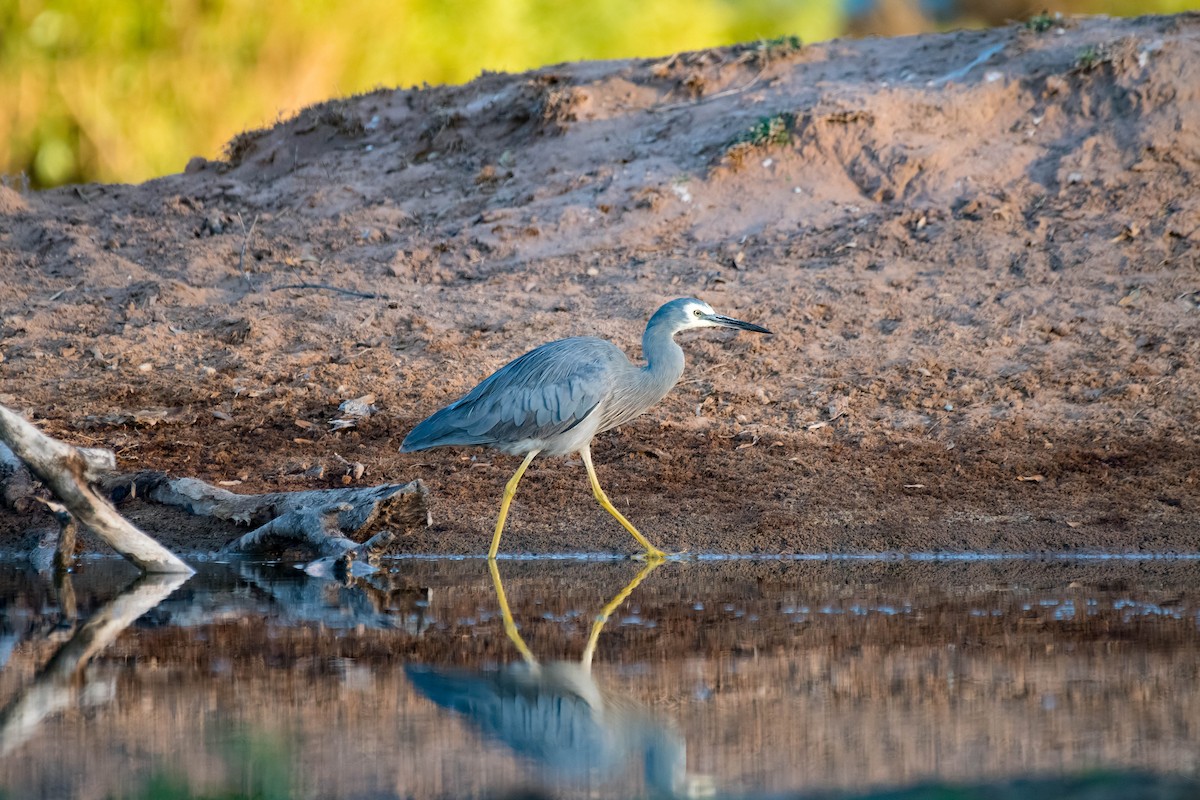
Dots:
{"x": 419, "y": 438}
{"x": 438, "y": 431}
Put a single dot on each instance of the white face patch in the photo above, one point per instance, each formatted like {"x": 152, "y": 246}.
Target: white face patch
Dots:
{"x": 696, "y": 313}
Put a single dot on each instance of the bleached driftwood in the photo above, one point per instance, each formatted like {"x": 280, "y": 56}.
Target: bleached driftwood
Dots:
{"x": 333, "y": 523}
{"x": 69, "y": 472}
{"x": 58, "y": 685}
{"x": 342, "y": 525}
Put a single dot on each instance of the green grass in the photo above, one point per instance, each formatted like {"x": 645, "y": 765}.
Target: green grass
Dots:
{"x": 260, "y": 766}
{"x": 767, "y": 132}
{"x": 780, "y": 46}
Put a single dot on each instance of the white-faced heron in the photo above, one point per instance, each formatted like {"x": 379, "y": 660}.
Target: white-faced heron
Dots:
{"x": 555, "y": 398}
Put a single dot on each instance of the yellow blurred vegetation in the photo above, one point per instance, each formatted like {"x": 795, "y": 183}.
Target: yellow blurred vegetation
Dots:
{"x": 125, "y": 90}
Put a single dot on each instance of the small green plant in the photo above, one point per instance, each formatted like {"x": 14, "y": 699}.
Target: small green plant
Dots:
{"x": 780, "y": 46}
{"x": 1090, "y": 57}
{"x": 764, "y": 51}
{"x": 773, "y": 130}
{"x": 1040, "y": 23}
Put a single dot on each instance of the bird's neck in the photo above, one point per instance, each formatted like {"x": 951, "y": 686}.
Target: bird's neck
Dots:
{"x": 635, "y": 391}
{"x": 664, "y": 356}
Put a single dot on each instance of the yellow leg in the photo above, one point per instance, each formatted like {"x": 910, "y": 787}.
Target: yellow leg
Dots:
{"x": 652, "y": 552}
{"x": 612, "y": 606}
{"x": 509, "y": 491}
{"x": 510, "y": 626}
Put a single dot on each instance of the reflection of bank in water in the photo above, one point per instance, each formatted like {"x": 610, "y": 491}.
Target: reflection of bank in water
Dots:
{"x": 556, "y": 716}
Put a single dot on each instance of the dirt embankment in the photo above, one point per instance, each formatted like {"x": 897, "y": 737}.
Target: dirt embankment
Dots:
{"x": 977, "y": 251}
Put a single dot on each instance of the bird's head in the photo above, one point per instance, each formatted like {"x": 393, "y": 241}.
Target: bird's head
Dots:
{"x": 688, "y": 312}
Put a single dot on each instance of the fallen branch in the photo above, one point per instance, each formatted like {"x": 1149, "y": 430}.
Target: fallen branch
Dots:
{"x": 339, "y": 526}
{"x": 709, "y": 98}
{"x": 331, "y": 522}
{"x": 316, "y": 527}
{"x": 336, "y": 523}
{"x": 68, "y": 472}
{"x": 366, "y": 508}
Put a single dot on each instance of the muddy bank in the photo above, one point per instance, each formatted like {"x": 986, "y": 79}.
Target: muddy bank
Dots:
{"x": 977, "y": 251}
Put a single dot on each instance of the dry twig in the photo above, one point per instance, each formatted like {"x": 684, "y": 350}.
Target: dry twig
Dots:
{"x": 327, "y": 287}
{"x": 246, "y": 234}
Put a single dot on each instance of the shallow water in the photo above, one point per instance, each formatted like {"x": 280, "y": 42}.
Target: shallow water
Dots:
{"x": 708, "y": 677}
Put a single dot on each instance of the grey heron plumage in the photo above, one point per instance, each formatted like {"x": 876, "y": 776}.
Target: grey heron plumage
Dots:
{"x": 557, "y": 397}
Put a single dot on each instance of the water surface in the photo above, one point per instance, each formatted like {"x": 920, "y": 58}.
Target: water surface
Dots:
{"x": 578, "y": 678}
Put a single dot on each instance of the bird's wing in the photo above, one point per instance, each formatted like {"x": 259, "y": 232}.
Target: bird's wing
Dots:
{"x": 545, "y": 392}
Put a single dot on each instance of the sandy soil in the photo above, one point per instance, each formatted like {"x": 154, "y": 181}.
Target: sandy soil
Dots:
{"x": 977, "y": 251}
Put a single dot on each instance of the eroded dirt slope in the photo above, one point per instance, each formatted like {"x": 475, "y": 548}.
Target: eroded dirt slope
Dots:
{"x": 977, "y": 251}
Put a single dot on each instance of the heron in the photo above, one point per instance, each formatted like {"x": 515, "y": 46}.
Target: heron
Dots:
{"x": 557, "y": 397}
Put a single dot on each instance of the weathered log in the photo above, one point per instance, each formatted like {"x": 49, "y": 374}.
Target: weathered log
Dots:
{"x": 314, "y": 526}
{"x": 68, "y": 471}
{"x": 330, "y": 522}
{"x": 334, "y": 522}
{"x": 365, "y": 510}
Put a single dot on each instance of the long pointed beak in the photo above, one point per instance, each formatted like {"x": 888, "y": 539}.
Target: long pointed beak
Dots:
{"x": 730, "y": 322}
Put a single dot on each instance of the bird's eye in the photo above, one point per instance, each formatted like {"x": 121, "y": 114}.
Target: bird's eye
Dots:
{"x": 698, "y": 313}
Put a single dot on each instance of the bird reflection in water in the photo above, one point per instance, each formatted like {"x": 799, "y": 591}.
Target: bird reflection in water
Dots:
{"x": 556, "y": 716}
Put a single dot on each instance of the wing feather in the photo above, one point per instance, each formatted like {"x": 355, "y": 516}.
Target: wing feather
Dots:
{"x": 545, "y": 392}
